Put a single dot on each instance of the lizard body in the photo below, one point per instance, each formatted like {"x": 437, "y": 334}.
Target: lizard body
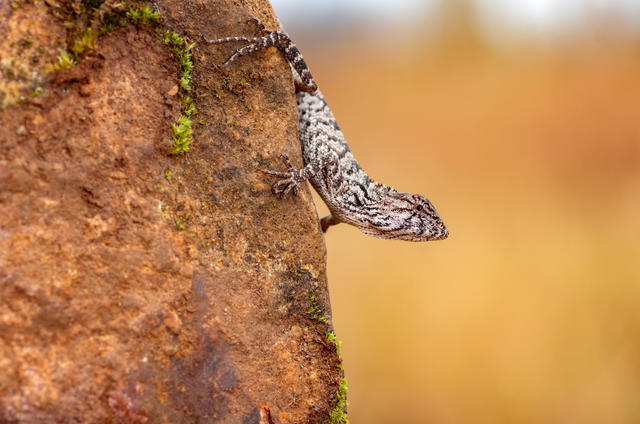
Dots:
{"x": 351, "y": 195}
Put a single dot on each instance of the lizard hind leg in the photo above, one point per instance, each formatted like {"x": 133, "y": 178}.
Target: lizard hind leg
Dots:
{"x": 328, "y": 221}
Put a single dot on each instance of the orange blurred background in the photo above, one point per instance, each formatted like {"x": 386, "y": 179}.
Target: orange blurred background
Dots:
{"x": 526, "y": 137}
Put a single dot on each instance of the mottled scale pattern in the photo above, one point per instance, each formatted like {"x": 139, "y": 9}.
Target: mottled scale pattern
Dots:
{"x": 331, "y": 168}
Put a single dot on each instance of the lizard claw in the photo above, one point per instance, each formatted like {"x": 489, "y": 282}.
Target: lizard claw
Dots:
{"x": 287, "y": 162}
{"x": 286, "y": 185}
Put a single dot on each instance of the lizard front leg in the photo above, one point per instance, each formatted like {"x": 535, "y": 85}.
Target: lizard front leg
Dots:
{"x": 290, "y": 179}
{"x": 293, "y": 177}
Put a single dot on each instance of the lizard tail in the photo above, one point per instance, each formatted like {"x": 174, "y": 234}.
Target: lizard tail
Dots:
{"x": 282, "y": 42}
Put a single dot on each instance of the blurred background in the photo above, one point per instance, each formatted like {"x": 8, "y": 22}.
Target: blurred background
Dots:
{"x": 521, "y": 122}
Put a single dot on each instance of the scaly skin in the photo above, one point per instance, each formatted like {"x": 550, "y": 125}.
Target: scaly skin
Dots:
{"x": 352, "y": 197}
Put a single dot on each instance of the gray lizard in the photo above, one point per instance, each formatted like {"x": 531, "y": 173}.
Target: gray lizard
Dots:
{"x": 351, "y": 195}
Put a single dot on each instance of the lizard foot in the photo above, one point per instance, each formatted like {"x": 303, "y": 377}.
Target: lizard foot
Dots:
{"x": 289, "y": 180}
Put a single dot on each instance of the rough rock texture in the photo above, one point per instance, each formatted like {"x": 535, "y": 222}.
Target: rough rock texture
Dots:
{"x": 130, "y": 294}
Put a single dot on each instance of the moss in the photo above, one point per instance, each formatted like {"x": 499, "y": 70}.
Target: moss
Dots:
{"x": 89, "y": 25}
{"x": 314, "y": 310}
{"x": 182, "y": 51}
{"x": 331, "y": 336}
{"x": 167, "y": 215}
{"x": 172, "y": 38}
{"x": 143, "y": 16}
{"x": 97, "y": 23}
{"x": 36, "y": 92}
{"x": 190, "y": 108}
{"x": 86, "y": 44}
{"x": 165, "y": 211}
{"x": 338, "y": 414}
{"x": 65, "y": 61}
{"x": 168, "y": 175}
{"x": 120, "y": 14}
{"x": 107, "y": 27}
{"x": 182, "y": 132}
{"x": 186, "y": 66}
{"x": 113, "y": 20}
{"x": 181, "y": 138}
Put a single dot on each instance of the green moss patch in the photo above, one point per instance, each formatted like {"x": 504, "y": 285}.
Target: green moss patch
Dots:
{"x": 314, "y": 310}
{"x": 338, "y": 414}
{"x": 181, "y": 138}
{"x": 182, "y": 51}
{"x": 143, "y": 16}
{"x": 64, "y": 61}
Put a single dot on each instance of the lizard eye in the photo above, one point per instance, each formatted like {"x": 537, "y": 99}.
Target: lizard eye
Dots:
{"x": 419, "y": 207}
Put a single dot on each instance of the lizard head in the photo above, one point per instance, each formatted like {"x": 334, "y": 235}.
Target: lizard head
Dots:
{"x": 405, "y": 216}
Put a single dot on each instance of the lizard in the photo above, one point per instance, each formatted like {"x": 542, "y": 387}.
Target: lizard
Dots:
{"x": 329, "y": 165}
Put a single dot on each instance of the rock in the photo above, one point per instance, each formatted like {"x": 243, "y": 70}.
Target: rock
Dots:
{"x": 137, "y": 286}
{"x": 173, "y": 91}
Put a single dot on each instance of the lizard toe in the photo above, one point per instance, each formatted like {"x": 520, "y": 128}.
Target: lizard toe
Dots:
{"x": 285, "y": 186}
{"x": 277, "y": 173}
{"x": 292, "y": 186}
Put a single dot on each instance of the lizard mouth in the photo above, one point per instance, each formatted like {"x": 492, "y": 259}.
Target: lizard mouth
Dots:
{"x": 440, "y": 232}
{"x": 441, "y": 235}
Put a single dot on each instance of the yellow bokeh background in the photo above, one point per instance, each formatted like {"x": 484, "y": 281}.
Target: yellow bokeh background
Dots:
{"x": 530, "y": 311}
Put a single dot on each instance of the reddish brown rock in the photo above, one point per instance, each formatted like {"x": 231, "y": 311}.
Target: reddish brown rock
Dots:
{"x": 132, "y": 294}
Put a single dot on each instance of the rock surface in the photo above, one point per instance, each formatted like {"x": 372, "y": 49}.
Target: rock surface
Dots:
{"x": 137, "y": 286}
